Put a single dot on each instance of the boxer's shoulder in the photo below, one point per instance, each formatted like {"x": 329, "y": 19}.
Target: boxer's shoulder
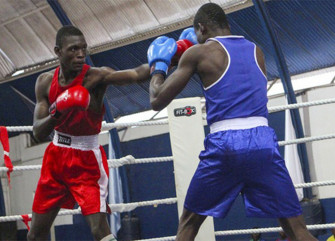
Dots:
{"x": 98, "y": 73}
{"x": 44, "y": 80}
{"x": 46, "y": 76}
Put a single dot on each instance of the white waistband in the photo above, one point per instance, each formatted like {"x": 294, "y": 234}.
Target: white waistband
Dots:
{"x": 76, "y": 142}
{"x": 238, "y": 124}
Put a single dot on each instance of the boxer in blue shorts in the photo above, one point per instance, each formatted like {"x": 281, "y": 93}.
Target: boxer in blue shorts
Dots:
{"x": 241, "y": 152}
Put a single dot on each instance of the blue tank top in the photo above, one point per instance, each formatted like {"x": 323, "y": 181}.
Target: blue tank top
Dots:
{"x": 241, "y": 91}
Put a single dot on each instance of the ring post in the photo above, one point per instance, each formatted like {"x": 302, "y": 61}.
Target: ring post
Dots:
{"x": 186, "y": 137}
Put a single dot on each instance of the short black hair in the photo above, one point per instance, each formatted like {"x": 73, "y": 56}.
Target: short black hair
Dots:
{"x": 212, "y": 15}
{"x": 65, "y": 31}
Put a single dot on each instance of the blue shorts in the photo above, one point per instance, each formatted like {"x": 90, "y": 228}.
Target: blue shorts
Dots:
{"x": 247, "y": 162}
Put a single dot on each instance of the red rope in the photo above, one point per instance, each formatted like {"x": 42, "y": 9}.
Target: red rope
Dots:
{"x": 26, "y": 219}
{"x": 5, "y": 144}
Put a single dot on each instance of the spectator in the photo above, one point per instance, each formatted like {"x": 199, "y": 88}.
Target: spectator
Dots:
{"x": 256, "y": 236}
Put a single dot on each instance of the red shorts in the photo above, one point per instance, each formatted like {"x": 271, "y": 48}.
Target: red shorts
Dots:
{"x": 74, "y": 169}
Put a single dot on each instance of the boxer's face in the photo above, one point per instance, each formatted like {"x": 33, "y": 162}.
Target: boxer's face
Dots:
{"x": 72, "y": 53}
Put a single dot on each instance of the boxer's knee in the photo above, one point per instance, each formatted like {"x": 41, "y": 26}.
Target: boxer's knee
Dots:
{"x": 99, "y": 225}
{"x": 33, "y": 235}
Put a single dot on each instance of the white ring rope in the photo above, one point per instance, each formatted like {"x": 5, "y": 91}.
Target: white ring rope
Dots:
{"x": 12, "y": 218}
{"x": 113, "y": 163}
{"x": 131, "y": 160}
{"x": 306, "y": 139}
{"x": 125, "y": 207}
{"x": 300, "y": 105}
{"x": 19, "y": 128}
{"x": 105, "y": 126}
{"x": 108, "y": 126}
{"x": 315, "y": 184}
{"x": 22, "y": 168}
{"x": 248, "y": 231}
{"x": 271, "y": 230}
{"x": 121, "y": 207}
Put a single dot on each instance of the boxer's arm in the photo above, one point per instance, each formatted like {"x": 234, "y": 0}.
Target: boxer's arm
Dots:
{"x": 162, "y": 92}
{"x": 43, "y": 122}
{"x": 187, "y": 39}
{"x": 260, "y": 59}
{"x": 123, "y": 77}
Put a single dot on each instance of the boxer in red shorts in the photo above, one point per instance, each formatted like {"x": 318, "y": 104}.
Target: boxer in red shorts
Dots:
{"x": 69, "y": 100}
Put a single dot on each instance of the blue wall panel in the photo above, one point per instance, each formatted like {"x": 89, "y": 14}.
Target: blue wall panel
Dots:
{"x": 152, "y": 181}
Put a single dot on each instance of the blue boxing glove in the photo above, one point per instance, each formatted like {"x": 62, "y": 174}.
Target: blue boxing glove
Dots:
{"x": 160, "y": 53}
{"x": 189, "y": 34}
{"x": 187, "y": 39}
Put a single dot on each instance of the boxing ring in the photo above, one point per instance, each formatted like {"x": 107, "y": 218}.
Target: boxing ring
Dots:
{"x": 130, "y": 160}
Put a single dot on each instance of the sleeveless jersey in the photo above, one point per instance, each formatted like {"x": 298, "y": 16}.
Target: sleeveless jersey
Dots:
{"x": 241, "y": 91}
{"x": 75, "y": 122}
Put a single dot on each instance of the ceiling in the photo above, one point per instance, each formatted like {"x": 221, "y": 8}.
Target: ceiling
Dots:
{"x": 120, "y": 31}
{"x": 28, "y": 27}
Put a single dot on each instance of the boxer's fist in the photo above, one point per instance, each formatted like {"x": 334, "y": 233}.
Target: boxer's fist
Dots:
{"x": 186, "y": 40}
{"x": 182, "y": 46}
{"x": 190, "y": 35}
{"x": 160, "y": 53}
{"x": 74, "y": 97}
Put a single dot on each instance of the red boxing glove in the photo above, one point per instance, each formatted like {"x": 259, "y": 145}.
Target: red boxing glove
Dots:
{"x": 182, "y": 46}
{"x": 74, "y": 97}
